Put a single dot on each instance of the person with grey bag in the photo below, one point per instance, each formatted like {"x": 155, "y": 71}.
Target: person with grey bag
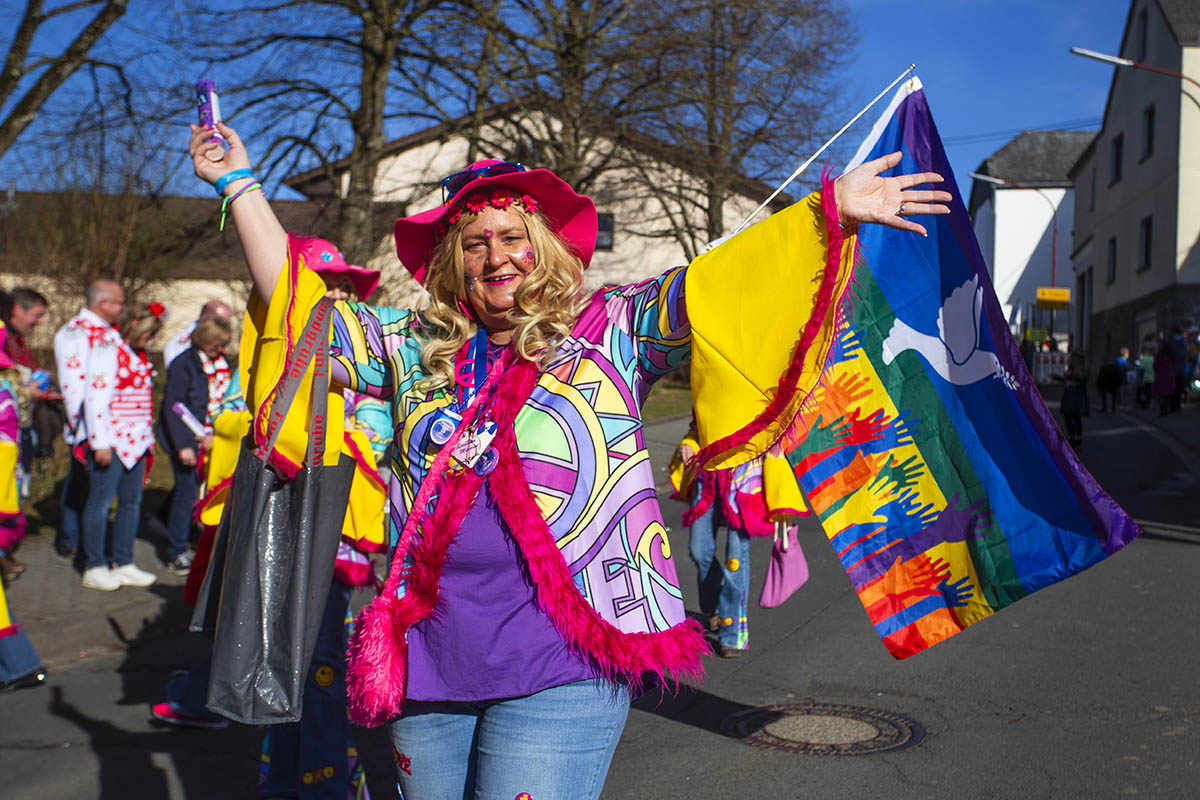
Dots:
{"x": 272, "y": 564}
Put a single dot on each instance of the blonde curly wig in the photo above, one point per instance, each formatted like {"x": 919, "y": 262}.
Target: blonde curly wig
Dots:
{"x": 545, "y": 308}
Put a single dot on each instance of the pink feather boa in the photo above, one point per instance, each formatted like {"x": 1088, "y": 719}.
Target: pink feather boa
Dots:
{"x": 377, "y": 654}
{"x": 376, "y": 675}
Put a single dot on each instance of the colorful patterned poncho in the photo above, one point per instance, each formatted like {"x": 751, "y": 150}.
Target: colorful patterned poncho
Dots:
{"x": 579, "y": 436}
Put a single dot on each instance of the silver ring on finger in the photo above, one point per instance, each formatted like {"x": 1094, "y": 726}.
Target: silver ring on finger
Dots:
{"x": 900, "y": 213}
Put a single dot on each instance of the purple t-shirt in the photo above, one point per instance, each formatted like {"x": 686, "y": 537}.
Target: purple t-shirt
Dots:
{"x": 487, "y": 639}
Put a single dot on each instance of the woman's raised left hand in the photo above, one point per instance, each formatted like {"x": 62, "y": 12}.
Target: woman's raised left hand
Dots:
{"x": 865, "y": 197}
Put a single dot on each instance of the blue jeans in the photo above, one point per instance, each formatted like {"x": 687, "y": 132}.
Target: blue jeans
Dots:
{"x": 74, "y": 498}
{"x": 724, "y": 587}
{"x": 179, "y": 517}
{"x": 557, "y": 743}
{"x": 105, "y": 484}
{"x": 308, "y": 759}
{"x": 17, "y": 656}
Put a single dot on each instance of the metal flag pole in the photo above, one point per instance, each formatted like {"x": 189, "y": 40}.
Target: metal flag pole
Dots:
{"x": 800, "y": 169}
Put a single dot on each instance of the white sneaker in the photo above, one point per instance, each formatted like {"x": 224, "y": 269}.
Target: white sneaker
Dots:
{"x": 101, "y": 578}
{"x": 130, "y": 575}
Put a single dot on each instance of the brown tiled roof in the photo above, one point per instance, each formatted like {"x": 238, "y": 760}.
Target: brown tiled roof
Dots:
{"x": 177, "y": 237}
{"x": 1038, "y": 157}
{"x": 1034, "y": 158}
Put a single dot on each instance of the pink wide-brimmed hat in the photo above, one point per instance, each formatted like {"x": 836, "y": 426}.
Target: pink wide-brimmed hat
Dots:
{"x": 322, "y": 257}
{"x": 570, "y": 215}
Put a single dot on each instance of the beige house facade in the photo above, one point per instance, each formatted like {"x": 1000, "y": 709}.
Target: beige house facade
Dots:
{"x": 1136, "y": 242}
{"x": 634, "y": 242}
{"x": 193, "y": 262}
{"x": 172, "y": 253}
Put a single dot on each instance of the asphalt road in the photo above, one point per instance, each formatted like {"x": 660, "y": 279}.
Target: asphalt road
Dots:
{"x": 1084, "y": 690}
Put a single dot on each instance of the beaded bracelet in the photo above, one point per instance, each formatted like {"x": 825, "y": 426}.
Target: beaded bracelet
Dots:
{"x": 250, "y": 187}
{"x": 230, "y": 177}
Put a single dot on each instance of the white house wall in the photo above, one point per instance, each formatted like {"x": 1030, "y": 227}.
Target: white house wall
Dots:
{"x": 1150, "y": 186}
{"x": 1187, "y": 238}
{"x": 984, "y": 225}
{"x": 1022, "y": 246}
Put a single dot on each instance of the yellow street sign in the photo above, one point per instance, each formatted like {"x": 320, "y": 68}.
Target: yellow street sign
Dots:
{"x": 1053, "y": 297}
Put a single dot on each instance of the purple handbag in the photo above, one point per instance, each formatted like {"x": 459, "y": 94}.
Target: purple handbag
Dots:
{"x": 787, "y": 570}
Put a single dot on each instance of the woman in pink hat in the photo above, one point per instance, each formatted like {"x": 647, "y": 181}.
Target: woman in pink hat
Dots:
{"x": 532, "y": 591}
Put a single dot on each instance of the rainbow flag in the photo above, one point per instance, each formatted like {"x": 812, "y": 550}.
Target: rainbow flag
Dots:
{"x": 926, "y": 451}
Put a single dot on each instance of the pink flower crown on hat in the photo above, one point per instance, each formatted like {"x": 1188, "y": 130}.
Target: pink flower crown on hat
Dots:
{"x": 500, "y": 198}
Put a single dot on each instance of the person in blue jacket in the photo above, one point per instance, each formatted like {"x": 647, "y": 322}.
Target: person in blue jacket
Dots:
{"x": 190, "y": 380}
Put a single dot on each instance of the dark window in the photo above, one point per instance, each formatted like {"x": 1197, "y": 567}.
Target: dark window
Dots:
{"x": 1110, "y": 276}
{"x": 1145, "y": 243}
{"x": 1092, "y": 194}
{"x": 1148, "y": 132}
{"x": 1118, "y": 156}
{"x": 604, "y": 235}
{"x": 1140, "y": 54}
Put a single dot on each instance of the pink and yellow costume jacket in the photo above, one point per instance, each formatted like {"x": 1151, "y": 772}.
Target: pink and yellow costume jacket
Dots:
{"x": 363, "y": 531}
{"x": 753, "y": 495}
{"x": 12, "y": 521}
{"x": 579, "y": 435}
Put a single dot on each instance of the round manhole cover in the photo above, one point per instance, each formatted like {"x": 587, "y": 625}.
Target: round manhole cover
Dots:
{"x": 823, "y": 729}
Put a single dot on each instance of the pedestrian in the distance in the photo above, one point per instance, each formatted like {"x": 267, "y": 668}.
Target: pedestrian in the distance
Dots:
{"x": 1145, "y": 369}
{"x": 1165, "y": 385}
{"x": 20, "y": 665}
{"x": 119, "y": 407}
{"x": 1128, "y": 372}
{"x": 1108, "y": 382}
{"x": 1075, "y": 396}
{"x": 14, "y": 405}
{"x": 746, "y": 502}
{"x": 28, "y": 311}
{"x": 183, "y": 340}
{"x": 1177, "y": 344}
{"x": 315, "y": 757}
{"x": 188, "y": 382}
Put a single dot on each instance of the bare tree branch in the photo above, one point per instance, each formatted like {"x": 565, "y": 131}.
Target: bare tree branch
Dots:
{"x": 26, "y": 108}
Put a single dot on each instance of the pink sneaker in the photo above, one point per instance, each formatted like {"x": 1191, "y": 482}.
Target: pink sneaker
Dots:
{"x": 166, "y": 713}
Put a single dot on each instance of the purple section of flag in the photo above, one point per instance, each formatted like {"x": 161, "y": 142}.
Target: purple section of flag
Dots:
{"x": 922, "y": 143}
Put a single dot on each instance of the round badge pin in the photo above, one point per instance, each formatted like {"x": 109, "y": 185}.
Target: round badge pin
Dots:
{"x": 441, "y": 429}
{"x": 324, "y": 675}
{"x": 487, "y": 462}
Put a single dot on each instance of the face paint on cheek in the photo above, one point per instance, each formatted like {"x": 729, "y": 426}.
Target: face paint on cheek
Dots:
{"x": 528, "y": 258}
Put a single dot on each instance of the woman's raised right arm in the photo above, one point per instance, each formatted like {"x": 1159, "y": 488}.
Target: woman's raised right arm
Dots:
{"x": 264, "y": 241}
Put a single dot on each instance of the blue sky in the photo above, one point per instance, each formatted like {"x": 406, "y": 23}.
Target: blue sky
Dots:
{"x": 989, "y": 67}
